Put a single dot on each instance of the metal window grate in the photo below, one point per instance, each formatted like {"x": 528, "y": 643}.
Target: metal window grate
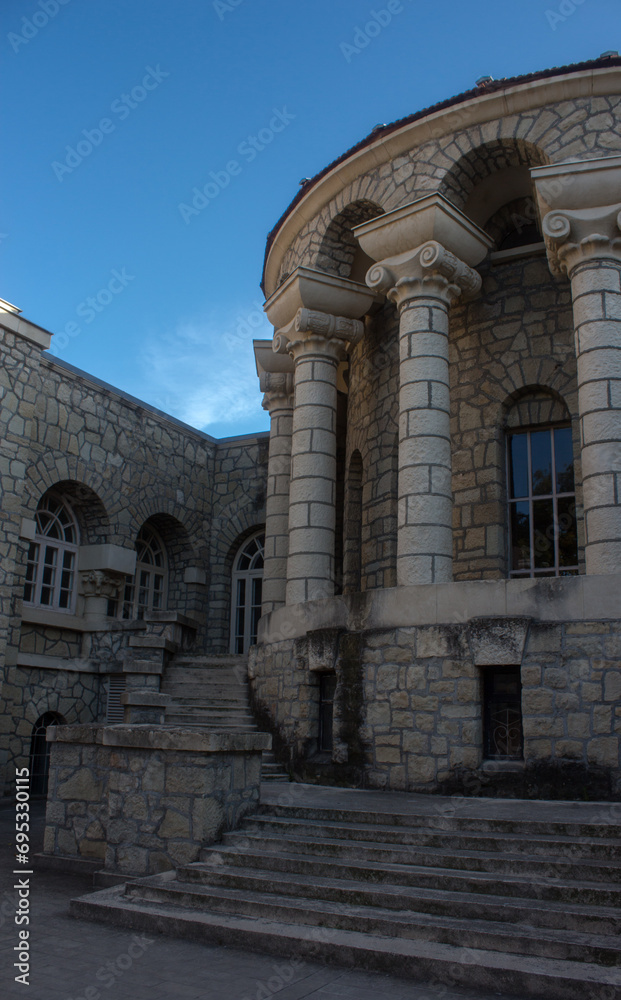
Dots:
{"x": 114, "y": 709}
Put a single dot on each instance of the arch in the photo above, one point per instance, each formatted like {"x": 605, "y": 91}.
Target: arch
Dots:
{"x": 246, "y": 591}
{"x": 339, "y": 251}
{"x": 535, "y": 404}
{"x": 492, "y": 176}
{"x": 164, "y": 550}
{"x": 40, "y": 751}
{"x": 51, "y": 563}
{"x": 352, "y": 533}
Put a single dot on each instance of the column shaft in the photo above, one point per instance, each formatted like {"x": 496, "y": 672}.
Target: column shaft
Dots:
{"x": 425, "y": 530}
{"x": 596, "y": 292}
{"x": 310, "y": 566}
{"x": 277, "y": 503}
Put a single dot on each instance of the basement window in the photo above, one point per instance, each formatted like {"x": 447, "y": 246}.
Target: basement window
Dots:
{"x": 327, "y": 688}
{"x": 502, "y": 714}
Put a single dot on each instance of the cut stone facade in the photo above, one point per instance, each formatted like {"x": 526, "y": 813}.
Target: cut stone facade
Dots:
{"x": 446, "y": 301}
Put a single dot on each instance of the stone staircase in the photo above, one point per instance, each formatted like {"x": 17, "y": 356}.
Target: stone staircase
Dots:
{"x": 211, "y": 692}
{"x": 508, "y": 897}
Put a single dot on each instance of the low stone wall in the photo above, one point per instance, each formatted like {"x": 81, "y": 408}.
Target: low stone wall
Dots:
{"x": 408, "y": 707}
{"x": 144, "y": 799}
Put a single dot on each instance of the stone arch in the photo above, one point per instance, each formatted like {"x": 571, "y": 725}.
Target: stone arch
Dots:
{"x": 88, "y": 508}
{"x": 534, "y": 404}
{"x": 179, "y": 554}
{"x": 491, "y": 176}
{"x": 339, "y": 252}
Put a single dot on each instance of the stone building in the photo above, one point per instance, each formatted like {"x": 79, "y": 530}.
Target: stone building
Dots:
{"x": 443, "y": 542}
{"x": 441, "y": 508}
{"x": 121, "y": 529}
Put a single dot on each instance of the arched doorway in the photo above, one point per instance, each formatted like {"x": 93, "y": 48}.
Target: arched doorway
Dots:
{"x": 40, "y": 752}
{"x": 246, "y": 593}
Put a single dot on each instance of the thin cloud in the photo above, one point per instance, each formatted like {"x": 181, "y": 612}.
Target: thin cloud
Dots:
{"x": 203, "y": 375}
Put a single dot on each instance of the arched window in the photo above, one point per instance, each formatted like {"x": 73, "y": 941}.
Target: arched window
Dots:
{"x": 542, "y": 502}
{"x": 40, "y": 752}
{"x": 246, "y": 589}
{"x": 52, "y": 557}
{"x": 146, "y": 590}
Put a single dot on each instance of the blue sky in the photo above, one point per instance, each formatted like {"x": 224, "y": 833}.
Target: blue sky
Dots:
{"x": 176, "y": 294}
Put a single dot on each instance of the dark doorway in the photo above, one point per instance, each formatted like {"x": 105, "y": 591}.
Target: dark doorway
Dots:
{"x": 327, "y": 687}
{"x": 40, "y": 752}
{"x": 503, "y": 714}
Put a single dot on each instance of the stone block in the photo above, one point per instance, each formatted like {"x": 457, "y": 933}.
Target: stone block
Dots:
{"x": 387, "y": 755}
{"x": 536, "y": 702}
{"x": 83, "y": 786}
{"x": 604, "y": 751}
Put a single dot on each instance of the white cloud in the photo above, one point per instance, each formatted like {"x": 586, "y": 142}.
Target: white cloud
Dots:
{"x": 204, "y": 372}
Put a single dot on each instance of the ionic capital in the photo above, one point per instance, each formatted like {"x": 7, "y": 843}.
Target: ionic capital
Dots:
{"x": 318, "y": 333}
{"x": 278, "y": 389}
{"x": 575, "y": 236}
{"x": 428, "y": 271}
{"x": 100, "y": 583}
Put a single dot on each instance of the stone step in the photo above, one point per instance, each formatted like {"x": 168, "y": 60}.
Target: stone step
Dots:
{"x": 502, "y": 862}
{"x": 406, "y": 923}
{"x": 602, "y": 849}
{"x": 537, "y": 912}
{"x": 238, "y": 727}
{"x": 418, "y": 959}
{"x": 503, "y": 883}
{"x": 444, "y": 817}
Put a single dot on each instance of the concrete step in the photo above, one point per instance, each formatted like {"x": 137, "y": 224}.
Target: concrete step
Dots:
{"x": 442, "y": 816}
{"x": 454, "y": 880}
{"x": 406, "y": 923}
{"x": 603, "y": 849}
{"x": 501, "y": 862}
{"x": 426, "y": 959}
{"x": 534, "y": 911}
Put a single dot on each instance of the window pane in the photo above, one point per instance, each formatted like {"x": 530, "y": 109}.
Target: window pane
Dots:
{"x": 541, "y": 459}
{"x": 520, "y": 536}
{"x": 518, "y": 465}
{"x": 543, "y": 524}
{"x": 564, "y": 457}
{"x": 567, "y": 535}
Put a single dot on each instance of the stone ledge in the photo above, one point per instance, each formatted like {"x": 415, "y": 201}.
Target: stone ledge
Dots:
{"x": 562, "y": 599}
{"x": 160, "y": 738}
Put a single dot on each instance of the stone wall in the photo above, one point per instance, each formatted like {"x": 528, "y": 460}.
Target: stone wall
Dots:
{"x": 459, "y": 153}
{"x": 144, "y": 799}
{"x": 421, "y": 711}
{"x": 78, "y": 696}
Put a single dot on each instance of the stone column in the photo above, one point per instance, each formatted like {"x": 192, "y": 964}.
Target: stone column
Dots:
{"x": 424, "y": 284}
{"x": 97, "y": 587}
{"x": 586, "y": 245}
{"x": 278, "y": 401}
{"x": 424, "y": 275}
{"x": 317, "y": 343}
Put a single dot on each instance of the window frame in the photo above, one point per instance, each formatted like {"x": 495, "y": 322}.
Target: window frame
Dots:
{"x": 42, "y": 574}
{"x": 133, "y": 605}
{"x": 533, "y": 572}
{"x": 246, "y": 612}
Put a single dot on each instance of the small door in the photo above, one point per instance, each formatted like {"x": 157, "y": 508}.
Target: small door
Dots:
{"x": 503, "y": 714}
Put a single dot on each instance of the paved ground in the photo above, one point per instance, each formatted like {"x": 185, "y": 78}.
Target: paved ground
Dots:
{"x": 76, "y": 960}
